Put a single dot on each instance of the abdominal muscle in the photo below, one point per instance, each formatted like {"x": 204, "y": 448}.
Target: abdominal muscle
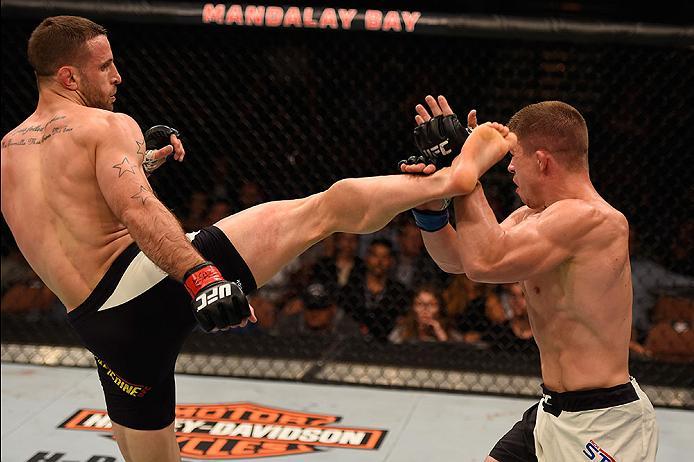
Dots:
{"x": 576, "y": 355}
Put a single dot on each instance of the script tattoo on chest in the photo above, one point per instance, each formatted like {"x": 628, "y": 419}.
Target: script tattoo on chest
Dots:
{"x": 36, "y": 134}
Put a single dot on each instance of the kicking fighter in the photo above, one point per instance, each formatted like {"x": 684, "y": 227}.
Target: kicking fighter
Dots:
{"x": 76, "y": 198}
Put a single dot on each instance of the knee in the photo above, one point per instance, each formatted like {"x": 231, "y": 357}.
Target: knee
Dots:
{"x": 333, "y": 203}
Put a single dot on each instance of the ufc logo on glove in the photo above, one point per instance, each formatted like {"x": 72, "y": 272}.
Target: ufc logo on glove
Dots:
{"x": 214, "y": 294}
{"x": 438, "y": 149}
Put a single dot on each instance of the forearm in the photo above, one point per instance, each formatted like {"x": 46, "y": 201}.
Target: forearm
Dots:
{"x": 479, "y": 233}
{"x": 160, "y": 236}
{"x": 442, "y": 246}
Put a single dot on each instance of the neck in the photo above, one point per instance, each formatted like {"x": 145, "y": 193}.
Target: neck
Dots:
{"x": 569, "y": 186}
{"x": 375, "y": 279}
{"x": 51, "y": 94}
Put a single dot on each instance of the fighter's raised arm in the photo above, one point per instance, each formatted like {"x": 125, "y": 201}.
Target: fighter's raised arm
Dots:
{"x": 122, "y": 181}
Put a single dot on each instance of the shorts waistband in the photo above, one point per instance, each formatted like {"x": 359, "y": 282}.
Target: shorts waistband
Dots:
{"x": 107, "y": 285}
{"x": 586, "y": 400}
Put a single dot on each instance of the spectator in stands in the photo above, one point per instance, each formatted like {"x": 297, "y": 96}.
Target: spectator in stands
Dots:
{"x": 22, "y": 290}
{"x": 195, "y": 218}
{"x": 474, "y": 308}
{"x": 516, "y": 332}
{"x": 374, "y": 299}
{"x": 414, "y": 265}
{"x": 650, "y": 281}
{"x": 387, "y": 233}
{"x": 682, "y": 249}
{"x": 319, "y": 315}
{"x": 672, "y": 336}
{"x": 219, "y": 209}
{"x": 343, "y": 265}
{"x": 250, "y": 194}
{"x": 426, "y": 320}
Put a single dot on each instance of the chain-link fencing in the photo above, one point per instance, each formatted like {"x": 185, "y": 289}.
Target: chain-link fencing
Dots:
{"x": 270, "y": 114}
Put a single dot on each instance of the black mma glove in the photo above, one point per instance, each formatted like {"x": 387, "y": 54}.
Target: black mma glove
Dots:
{"x": 217, "y": 303}
{"x": 156, "y": 138}
{"x": 439, "y": 141}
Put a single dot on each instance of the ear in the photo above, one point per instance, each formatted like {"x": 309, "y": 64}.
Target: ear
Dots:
{"x": 67, "y": 77}
{"x": 543, "y": 159}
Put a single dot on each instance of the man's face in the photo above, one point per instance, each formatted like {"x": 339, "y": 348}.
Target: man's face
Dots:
{"x": 378, "y": 260}
{"x": 347, "y": 243}
{"x": 98, "y": 76}
{"x": 320, "y": 319}
{"x": 411, "y": 242}
{"x": 526, "y": 176}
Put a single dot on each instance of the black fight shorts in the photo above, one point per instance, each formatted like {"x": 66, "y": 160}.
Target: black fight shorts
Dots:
{"x": 135, "y": 323}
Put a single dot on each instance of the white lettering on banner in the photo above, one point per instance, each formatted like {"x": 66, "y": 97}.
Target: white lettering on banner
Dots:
{"x": 308, "y": 17}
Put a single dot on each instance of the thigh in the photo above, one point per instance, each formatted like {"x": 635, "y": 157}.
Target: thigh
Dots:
{"x": 135, "y": 345}
{"x": 150, "y": 445}
{"x": 518, "y": 445}
{"x": 270, "y": 235}
{"x": 624, "y": 432}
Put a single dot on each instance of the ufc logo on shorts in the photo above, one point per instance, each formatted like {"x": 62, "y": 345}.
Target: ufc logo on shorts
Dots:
{"x": 214, "y": 294}
{"x": 439, "y": 149}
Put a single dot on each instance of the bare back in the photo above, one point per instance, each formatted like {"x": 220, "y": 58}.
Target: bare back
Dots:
{"x": 52, "y": 202}
{"x": 580, "y": 310}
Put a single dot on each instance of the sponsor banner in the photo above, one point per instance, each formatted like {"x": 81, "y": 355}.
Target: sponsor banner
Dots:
{"x": 310, "y": 18}
{"x": 247, "y": 430}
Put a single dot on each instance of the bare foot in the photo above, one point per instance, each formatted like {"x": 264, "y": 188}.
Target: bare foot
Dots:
{"x": 486, "y": 146}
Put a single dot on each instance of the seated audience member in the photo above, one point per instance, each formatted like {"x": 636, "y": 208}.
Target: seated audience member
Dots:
{"x": 413, "y": 265}
{"x": 319, "y": 315}
{"x": 196, "y": 213}
{"x": 373, "y": 298}
{"x": 426, "y": 320}
{"x": 219, "y": 208}
{"x": 336, "y": 270}
{"x": 672, "y": 336}
{"x": 474, "y": 308}
{"x": 681, "y": 258}
{"x": 651, "y": 281}
{"x": 250, "y": 193}
{"x": 515, "y": 332}
{"x": 22, "y": 290}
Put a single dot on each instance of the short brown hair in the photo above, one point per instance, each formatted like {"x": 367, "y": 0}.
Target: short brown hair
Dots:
{"x": 555, "y": 126}
{"x": 59, "y": 41}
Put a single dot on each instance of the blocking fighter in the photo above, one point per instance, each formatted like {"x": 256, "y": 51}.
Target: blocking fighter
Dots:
{"x": 569, "y": 250}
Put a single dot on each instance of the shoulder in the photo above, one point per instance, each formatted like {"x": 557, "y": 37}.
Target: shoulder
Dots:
{"x": 575, "y": 211}
{"x": 102, "y": 122}
{"x": 520, "y": 213}
{"x": 114, "y": 121}
{"x": 579, "y": 217}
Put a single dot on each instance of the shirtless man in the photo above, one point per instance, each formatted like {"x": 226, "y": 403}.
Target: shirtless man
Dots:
{"x": 569, "y": 250}
{"x": 77, "y": 200}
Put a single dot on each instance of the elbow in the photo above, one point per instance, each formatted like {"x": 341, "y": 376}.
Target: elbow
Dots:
{"x": 451, "y": 268}
{"x": 477, "y": 272}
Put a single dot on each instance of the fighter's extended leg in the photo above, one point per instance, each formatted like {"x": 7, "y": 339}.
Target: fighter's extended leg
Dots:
{"x": 270, "y": 235}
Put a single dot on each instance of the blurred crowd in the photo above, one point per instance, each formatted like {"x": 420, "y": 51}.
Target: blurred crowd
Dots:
{"x": 384, "y": 287}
